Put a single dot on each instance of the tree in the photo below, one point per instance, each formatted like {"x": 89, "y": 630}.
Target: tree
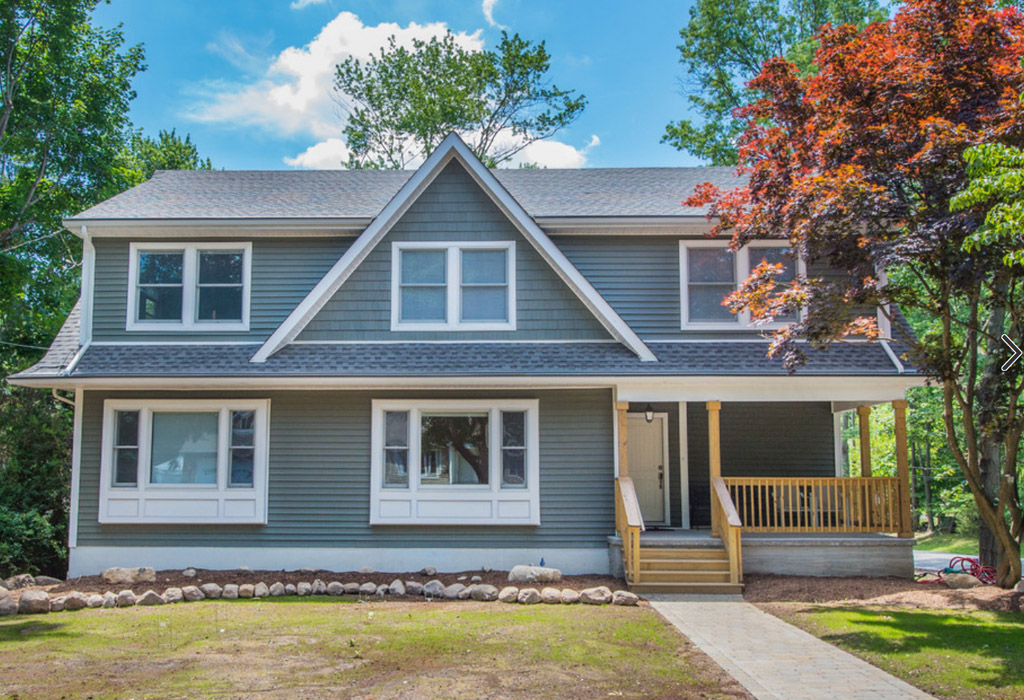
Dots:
{"x": 142, "y": 156}
{"x": 724, "y": 46}
{"x": 403, "y": 102}
{"x": 857, "y": 163}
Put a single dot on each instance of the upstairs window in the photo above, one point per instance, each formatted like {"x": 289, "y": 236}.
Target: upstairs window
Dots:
{"x": 199, "y": 286}
{"x": 453, "y": 286}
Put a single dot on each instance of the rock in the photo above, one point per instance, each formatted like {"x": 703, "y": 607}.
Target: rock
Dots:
{"x": 396, "y": 587}
{"x": 211, "y": 590}
{"x": 277, "y": 589}
{"x": 625, "y": 598}
{"x": 109, "y": 600}
{"x": 75, "y": 601}
{"x": 484, "y": 592}
{"x": 508, "y": 594}
{"x": 308, "y": 570}
{"x": 19, "y": 581}
{"x": 461, "y": 578}
{"x": 189, "y": 573}
{"x": 335, "y": 588}
{"x": 464, "y": 594}
{"x": 57, "y": 604}
{"x": 260, "y": 590}
{"x": 142, "y": 574}
{"x": 528, "y": 596}
{"x": 961, "y": 581}
{"x": 125, "y": 599}
{"x": 534, "y": 574}
{"x": 428, "y": 571}
{"x": 230, "y": 591}
{"x": 550, "y": 595}
{"x": 319, "y": 587}
{"x": 599, "y": 595}
{"x": 487, "y": 569}
{"x": 304, "y": 588}
{"x": 290, "y": 589}
{"x": 351, "y": 588}
{"x": 368, "y": 588}
{"x": 569, "y": 596}
{"x": 452, "y": 592}
{"x": 7, "y": 604}
{"x": 366, "y": 570}
{"x": 1019, "y": 587}
{"x": 150, "y": 597}
{"x": 94, "y": 601}
{"x": 413, "y": 588}
{"x": 383, "y": 590}
{"x": 475, "y": 579}
{"x": 244, "y": 570}
{"x": 174, "y": 595}
{"x": 246, "y": 590}
{"x": 433, "y": 589}
{"x": 192, "y": 594}
{"x": 47, "y": 581}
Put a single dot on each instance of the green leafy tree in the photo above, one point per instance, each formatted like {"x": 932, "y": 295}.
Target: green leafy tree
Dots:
{"x": 723, "y": 48}
{"x": 142, "y": 156}
{"x": 403, "y": 102}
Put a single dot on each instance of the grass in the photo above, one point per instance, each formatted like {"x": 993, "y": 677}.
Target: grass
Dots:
{"x": 323, "y": 648}
{"x": 950, "y": 654}
{"x": 941, "y": 542}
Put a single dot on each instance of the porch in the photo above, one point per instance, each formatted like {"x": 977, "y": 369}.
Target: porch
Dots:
{"x": 810, "y": 525}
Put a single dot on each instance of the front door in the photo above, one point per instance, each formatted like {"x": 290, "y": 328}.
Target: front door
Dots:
{"x": 647, "y": 445}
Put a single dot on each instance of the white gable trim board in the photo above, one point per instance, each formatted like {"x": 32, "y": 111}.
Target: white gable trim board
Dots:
{"x": 451, "y": 148}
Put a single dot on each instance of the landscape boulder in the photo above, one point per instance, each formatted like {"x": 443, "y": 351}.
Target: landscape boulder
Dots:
{"x": 428, "y": 571}
{"x": 57, "y": 604}
{"x": 189, "y": 573}
{"x": 290, "y": 589}
{"x": 47, "y": 581}
{"x": 277, "y": 589}
{"x": 1019, "y": 587}
{"x": 94, "y": 601}
{"x": 173, "y": 595}
{"x": 961, "y": 581}
{"x": 396, "y": 587}
{"x": 599, "y": 595}
{"x": 335, "y": 588}
{"x": 533, "y": 574}
{"x": 304, "y": 588}
{"x": 529, "y": 596}
{"x": 109, "y": 600}
{"x": 19, "y": 581}
{"x": 569, "y": 596}
{"x": 625, "y": 598}
{"x": 383, "y": 590}
{"x": 508, "y": 594}
{"x": 433, "y": 589}
{"x": 211, "y": 590}
{"x": 141, "y": 574}
{"x": 246, "y": 590}
{"x": 192, "y": 594}
{"x": 452, "y": 592}
{"x": 413, "y": 588}
{"x": 475, "y": 579}
{"x": 7, "y": 604}
{"x": 230, "y": 591}
{"x": 34, "y": 602}
{"x": 550, "y": 595}
{"x": 75, "y": 601}
{"x": 125, "y": 599}
{"x": 368, "y": 588}
{"x": 351, "y": 588}
{"x": 150, "y": 597}
{"x": 319, "y": 587}
{"x": 484, "y": 592}
{"x": 366, "y": 569}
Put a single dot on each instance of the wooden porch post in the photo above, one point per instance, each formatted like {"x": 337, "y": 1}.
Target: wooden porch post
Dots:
{"x": 714, "y": 456}
{"x": 622, "y": 408}
{"x": 899, "y": 408}
{"x": 864, "y": 418}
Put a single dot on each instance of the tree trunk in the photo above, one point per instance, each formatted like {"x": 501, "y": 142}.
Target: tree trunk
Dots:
{"x": 991, "y": 469}
{"x": 929, "y": 511}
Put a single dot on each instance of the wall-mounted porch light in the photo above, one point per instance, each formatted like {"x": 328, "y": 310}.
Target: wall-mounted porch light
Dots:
{"x": 649, "y": 413}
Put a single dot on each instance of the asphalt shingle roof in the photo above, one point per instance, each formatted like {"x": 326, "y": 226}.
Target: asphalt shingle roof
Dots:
{"x": 285, "y": 194}
{"x": 62, "y": 349}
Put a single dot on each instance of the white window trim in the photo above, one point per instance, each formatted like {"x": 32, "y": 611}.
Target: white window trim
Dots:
{"x": 453, "y": 283}
{"x": 457, "y": 504}
{"x": 217, "y": 503}
{"x": 190, "y": 288}
{"x": 741, "y": 270}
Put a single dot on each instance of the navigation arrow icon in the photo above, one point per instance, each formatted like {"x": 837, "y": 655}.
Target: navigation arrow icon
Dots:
{"x": 1016, "y": 352}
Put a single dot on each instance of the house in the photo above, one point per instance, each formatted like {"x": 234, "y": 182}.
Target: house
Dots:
{"x": 456, "y": 367}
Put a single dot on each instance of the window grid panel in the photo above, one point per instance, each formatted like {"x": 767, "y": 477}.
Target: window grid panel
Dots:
{"x": 242, "y": 449}
{"x": 442, "y": 461}
{"x": 513, "y": 449}
{"x": 396, "y": 449}
{"x": 126, "y": 449}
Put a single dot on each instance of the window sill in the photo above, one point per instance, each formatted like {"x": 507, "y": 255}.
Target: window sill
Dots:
{"x": 178, "y": 327}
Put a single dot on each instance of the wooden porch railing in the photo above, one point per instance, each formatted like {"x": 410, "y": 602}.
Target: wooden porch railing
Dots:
{"x": 629, "y": 524}
{"x": 730, "y": 527}
{"x": 825, "y": 504}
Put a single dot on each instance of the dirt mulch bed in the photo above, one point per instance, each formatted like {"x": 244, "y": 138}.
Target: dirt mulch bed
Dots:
{"x": 171, "y": 578}
{"x": 877, "y": 591}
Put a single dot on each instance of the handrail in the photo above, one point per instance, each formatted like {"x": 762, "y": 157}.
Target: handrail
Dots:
{"x": 730, "y": 527}
{"x": 629, "y": 524}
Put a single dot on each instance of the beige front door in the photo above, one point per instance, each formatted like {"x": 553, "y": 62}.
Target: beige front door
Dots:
{"x": 648, "y": 461}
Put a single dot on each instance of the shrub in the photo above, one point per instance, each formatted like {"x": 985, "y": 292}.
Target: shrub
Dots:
{"x": 29, "y": 543}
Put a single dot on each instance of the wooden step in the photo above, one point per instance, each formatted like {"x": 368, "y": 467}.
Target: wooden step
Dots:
{"x": 659, "y": 587}
{"x": 649, "y": 553}
{"x": 683, "y": 564}
{"x": 685, "y": 576}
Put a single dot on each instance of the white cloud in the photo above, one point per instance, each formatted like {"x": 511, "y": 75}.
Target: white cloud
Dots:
{"x": 554, "y": 154}
{"x": 299, "y": 4}
{"x": 238, "y": 53}
{"x": 295, "y": 94}
{"x": 330, "y": 154}
{"x": 488, "y": 8}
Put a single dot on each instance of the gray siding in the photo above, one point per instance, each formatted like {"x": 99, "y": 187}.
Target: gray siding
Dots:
{"x": 319, "y": 493}
{"x": 759, "y": 439}
{"x": 454, "y": 208}
{"x": 283, "y": 272}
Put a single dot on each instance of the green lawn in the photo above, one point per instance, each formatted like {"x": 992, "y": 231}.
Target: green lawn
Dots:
{"x": 950, "y": 654}
{"x": 323, "y": 648}
{"x": 939, "y": 542}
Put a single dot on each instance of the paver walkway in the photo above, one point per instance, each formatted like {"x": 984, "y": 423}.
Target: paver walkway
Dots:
{"x": 773, "y": 659}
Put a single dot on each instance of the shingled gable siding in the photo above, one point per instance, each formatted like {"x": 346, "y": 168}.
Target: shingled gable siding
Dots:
{"x": 454, "y": 208}
{"x": 319, "y": 492}
{"x": 759, "y": 439}
{"x": 283, "y": 271}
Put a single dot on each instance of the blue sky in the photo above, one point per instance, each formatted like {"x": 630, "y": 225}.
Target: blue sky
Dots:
{"x": 250, "y": 79}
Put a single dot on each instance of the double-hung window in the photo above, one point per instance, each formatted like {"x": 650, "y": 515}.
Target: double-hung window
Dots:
{"x": 455, "y": 462}
{"x": 189, "y": 286}
{"x": 710, "y": 271}
{"x": 183, "y": 461}
{"x": 453, "y": 286}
